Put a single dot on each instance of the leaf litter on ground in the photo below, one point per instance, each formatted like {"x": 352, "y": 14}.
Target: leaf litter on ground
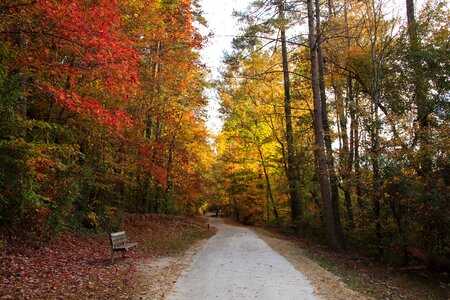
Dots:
{"x": 75, "y": 265}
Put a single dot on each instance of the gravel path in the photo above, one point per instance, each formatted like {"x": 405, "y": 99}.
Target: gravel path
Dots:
{"x": 237, "y": 264}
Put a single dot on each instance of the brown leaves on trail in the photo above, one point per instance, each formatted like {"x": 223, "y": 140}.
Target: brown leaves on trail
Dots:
{"x": 75, "y": 266}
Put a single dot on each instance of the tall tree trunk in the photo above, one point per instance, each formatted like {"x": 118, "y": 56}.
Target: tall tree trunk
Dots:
{"x": 348, "y": 143}
{"x": 374, "y": 131}
{"x": 326, "y": 127}
{"x": 420, "y": 91}
{"x": 156, "y": 195}
{"x": 169, "y": 170}
{"x": 268, "y": 185}
{"x": 280, "y": 142}
{"x": 352, "y": 105}
{"x": 345, "y": 157}
{"x": 376, "y": 195}
{"x": 354, "y": 124}
{"x": 330, "y": 223}
{"x": 296, "y": 205}
{"x": 235, "y": 203}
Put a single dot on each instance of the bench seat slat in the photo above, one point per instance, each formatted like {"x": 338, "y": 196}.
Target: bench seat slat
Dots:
{"x": 125, "y": 246}
{"x": 119, "y": 241}
{"x": 114, "y": 234}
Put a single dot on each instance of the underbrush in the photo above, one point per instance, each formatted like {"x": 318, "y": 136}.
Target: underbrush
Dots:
{"x": 368, "y": 276}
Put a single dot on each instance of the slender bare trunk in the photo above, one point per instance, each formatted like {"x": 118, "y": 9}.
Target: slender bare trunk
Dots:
{"x": 296, "y": 210}
{"x": 326, "y": 127}
{"x": 376, "y": 185}
{"x": 330, "y": 222}
{"x": 268, "y": 186}
{"x": 374, "y": 130}
{"x": 420, "y": 92}
{"x": 345, "y": 157}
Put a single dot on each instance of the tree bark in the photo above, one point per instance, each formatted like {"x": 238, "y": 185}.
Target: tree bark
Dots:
{"x": 296, "y": 210}
{"x": 345, "y": 157}
{"x": 354, "y": 124}
{"x": 268, "y": 185}
{"x": 374, "y": 133}
{"x": 326, "y": 128}
{"x": 420, "y": 91}
{"x": 376, "y": 195}
{"x": 330, "y": 222}
{"x": 280, "y": 142}
{"x": 349, "y": 143}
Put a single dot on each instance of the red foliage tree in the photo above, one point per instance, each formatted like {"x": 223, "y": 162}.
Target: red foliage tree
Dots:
{"x": 76, "y": 51}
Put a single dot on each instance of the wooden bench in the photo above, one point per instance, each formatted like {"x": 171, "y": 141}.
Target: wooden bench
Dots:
{"x": 119, "y": 242}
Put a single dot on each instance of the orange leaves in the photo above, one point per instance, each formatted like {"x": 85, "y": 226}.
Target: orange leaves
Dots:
{"x": 122, "y": 79}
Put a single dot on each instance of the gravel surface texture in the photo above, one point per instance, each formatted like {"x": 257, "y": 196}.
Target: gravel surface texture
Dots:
{"x": 327, "y": 286}
{"x": 237, "y": 264}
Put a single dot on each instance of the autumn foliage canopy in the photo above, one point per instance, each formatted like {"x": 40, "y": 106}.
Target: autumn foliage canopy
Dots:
{"x": 101, "y": 108}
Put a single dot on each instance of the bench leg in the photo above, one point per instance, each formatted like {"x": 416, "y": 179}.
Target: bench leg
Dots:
{"x": 123, "y": 253}
{"x": 112, "y": 256}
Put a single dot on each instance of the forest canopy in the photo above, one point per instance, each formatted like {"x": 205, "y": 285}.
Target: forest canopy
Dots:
{"x": 337, "y": 122}
{"x": 101, "y": 111}
{"x": 336, "y": 118}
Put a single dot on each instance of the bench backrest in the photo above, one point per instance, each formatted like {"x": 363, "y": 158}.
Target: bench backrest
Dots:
{"x": 118, "y": 238}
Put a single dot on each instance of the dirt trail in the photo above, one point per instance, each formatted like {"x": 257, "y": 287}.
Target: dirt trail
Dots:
{"x": 237, "y": 264}
{"x": 159, "y": 276}
{"x": 326, "y": 285}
